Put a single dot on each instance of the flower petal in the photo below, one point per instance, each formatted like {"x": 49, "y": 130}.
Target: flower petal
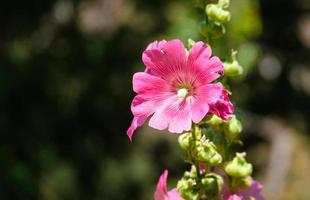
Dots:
{"x": 141, "y": 108}
{"x": 223, "y": 107}
{"x": 199, "y": 51}
{"x": 137, "y": 121}
{"x": 156, "y": 45}
{"x": 253, "y": 191}
{"x": 166, "y": 59}
{"x": 235, "y": 197}
{"x": 174, "y": 194}
{"x": 145, "y": 83}
{"x": 182, "y": 119}
{"x": 161, "y": 192}
{"x": 203, "y": 97}
{"x": 203, "y": 68}
{"x": 174, "y": 114}
{"x": 164, "y": 115}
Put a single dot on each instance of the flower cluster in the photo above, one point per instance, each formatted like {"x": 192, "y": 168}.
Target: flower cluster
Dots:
{"x": 251, "y": 192}
{"x": 182, "y": 90}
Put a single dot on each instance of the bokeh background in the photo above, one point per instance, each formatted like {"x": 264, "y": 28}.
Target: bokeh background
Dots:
{"x": 65, "y": 94}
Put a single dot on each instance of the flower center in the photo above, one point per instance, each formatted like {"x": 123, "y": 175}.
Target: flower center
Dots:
{"x": 182, "y": 93}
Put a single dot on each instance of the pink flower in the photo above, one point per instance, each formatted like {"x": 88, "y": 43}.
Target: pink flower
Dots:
{"x": 253, "y": 191}
{"x": 234, "y": 197}
{"x": 175, "y": 89}
{"x": 245, "y": 194}
{"x": 223, "y": 108}
{"x": 161, "y": 192}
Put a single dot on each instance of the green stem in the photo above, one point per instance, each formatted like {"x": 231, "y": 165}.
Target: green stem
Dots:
{"x": 196, "y": 164}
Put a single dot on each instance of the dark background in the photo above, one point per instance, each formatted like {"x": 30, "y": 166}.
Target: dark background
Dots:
{"x": 65, "y": 91}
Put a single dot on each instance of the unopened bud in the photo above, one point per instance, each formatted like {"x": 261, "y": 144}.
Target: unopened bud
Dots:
{"x": 233, "y": 68}
{"x": 185, "y": 140}
{"x": 206, "y": 152}
{"x": 190, "y": 43}
{"x": 243, "y": 182}
{"x": 239, "y": 167}
{"x": 213, "y": 184}
{"x": 217, "y": 14}
{"x": 215, "y": 120}
{"x": 187, "y": 188}
{"x": 234, "y": 128}
{"x": 223, "y": 3}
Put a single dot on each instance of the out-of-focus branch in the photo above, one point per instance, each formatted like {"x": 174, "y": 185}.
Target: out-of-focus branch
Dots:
{"x": 282, "y": 140}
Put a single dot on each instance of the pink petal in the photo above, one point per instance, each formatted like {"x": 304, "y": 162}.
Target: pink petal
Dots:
{"x": 141, "y": 109}
{"x": 136, "y": 122}
{"x": 145, "y": 83}
{"x": 223, "y": 107}
{"x": 203, "y": 68}
{"x": 151, "y": 92}
{"x": 199, "y": 51}
{"x": 174, "y": 113}
{"x": 235, "y": 197}
{"x": 182, "y": 119}
{"x": 161, "y": 192}
{"x": 166, "y": 59}
{"x": 253, "y": 191}
{"x": 203, "y": 97}
{"x": 156, "y": 45}
{"x": 174, "y": 195}
{"x": 164, "y": 115}
{"x": 206, "y": 71}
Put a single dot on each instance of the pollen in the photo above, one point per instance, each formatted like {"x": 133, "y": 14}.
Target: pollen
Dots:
{"x": 182, "y": 93}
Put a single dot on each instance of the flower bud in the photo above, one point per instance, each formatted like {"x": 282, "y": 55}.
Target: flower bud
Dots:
{"x": 185, "y": 140}
{"x": 223, "y": 3}
{"x": 187, "y": 188}
{"x": 190, "y": 43}
{"x": 213, "y": 184}
{"x": 217, "y": 14}
{"x": 206, "y": 152}
{"x": 234, "y": 128}
{"x": 233, "y": 68}
{"x": 215, "y": 120}
{"x": 239, "y": 167}
{"x": 243, "y": 182}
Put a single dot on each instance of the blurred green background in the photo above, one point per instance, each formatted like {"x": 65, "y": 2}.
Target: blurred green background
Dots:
{"x": 65, "y": 94}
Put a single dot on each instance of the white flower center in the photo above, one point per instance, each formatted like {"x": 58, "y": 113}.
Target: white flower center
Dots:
{"x": 182, "y": 93}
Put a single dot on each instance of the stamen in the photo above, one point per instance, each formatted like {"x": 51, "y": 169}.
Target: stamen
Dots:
{"x": 182, "y": 93}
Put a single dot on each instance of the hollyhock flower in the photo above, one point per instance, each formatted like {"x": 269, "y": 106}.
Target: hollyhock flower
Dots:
{"x": 253, "y": 191}
{"x": 245, "y": 194}
{"x": 234, "y": 197}
{"x": 161, "y": 192}
{"x": 223, "y": 108}
{"x": 175, "y": 88}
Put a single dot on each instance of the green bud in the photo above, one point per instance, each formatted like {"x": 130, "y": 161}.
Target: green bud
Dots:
{"x": 185, "y": 140}
{"x": 187, "y": 188}
{"x": 190, "y": 43}
{"x": 217, "y": 14}
{"x": 234, "y": 128}
{"x": 215, "y": 120}
{"x": 206, "y": 152}
{"x": 233, "y": 68}
{"x": 239, "y": 167}
{"x": 224, "y": 3}
{"x": 213, "y": 184}
{"x": 242, "y": 182}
